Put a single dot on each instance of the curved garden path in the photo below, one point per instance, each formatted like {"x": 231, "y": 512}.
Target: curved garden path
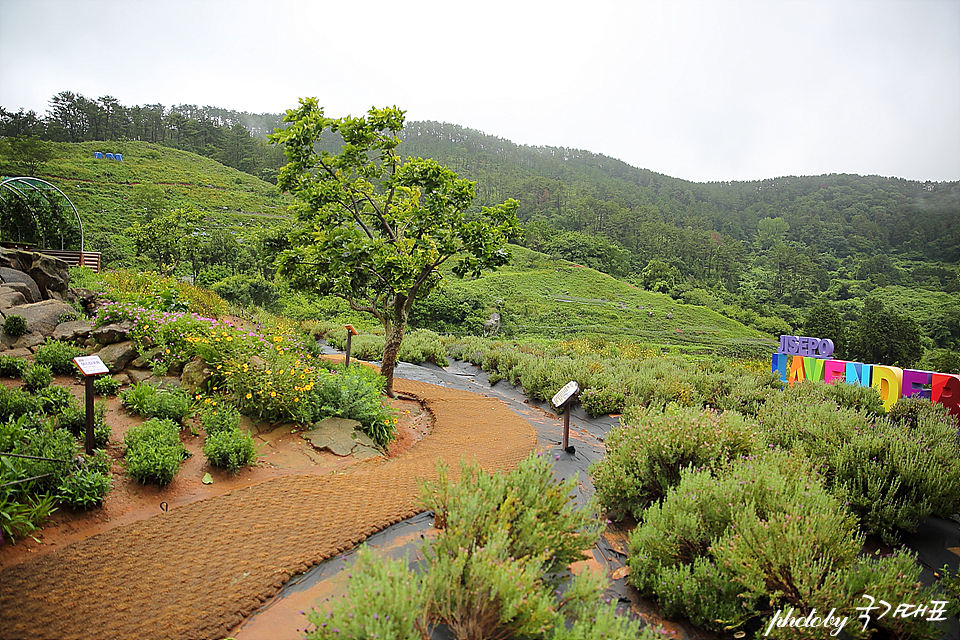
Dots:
{"x": 195, "y": 572}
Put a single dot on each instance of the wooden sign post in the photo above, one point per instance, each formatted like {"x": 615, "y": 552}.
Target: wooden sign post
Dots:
{"x": 350, "y": 333}
{"x": 90, "y": 367}
{"x": 564, "y": 399}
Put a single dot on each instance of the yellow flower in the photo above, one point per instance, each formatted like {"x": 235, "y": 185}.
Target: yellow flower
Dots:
{"x": 213, "y": 404}
{"x": 249, "y": 396}
{"x": 269, "y": 372}
{"x": 281, "y": 372}
{"x": 277, "y": 338}
{"x": 296, "y": 399}
{"x": 273, "y": 394}
{"x": 168, "y": 351}
{"x": 207, "y": 401}
{"x": 229, "y": 338}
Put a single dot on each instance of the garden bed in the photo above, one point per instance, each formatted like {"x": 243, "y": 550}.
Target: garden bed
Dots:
{"x": 282, "y": 452}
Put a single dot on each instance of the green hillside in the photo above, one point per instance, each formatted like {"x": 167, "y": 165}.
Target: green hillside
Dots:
{"x": 109, "y": 194}
{"x": 539, "y": 296}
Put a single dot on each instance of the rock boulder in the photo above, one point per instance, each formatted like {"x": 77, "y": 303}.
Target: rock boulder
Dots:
{"x": 51, "y": 275}
{"x": 118, "y": 355}
{"x": 75, "y": 332}
{"x": 43, "y": 317}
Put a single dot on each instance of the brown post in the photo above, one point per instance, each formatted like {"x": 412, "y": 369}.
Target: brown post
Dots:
{"x": 88, "y": 383}
{"x": 566, "y": 426}
{"x": 350, "y": 333}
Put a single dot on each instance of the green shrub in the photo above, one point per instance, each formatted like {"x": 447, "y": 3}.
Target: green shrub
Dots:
{"x": 74, "y": 420}
{"x": 147, "y": 400}
{"x": 853, "y": 396}
{"x": 13, "y": 367}
{"x": 170, "y": 404}
{"x": 17, "y": 402}
{"x": 15, "y": 325}
{"x": 422, "y": 345}
{"x": 219, "y": 418}
{"x": 37, "y": 377}
{"x": 154, "y": 451}
{"x": 84, "y": 489}
{"x": 892, "y": 471}
{"x": 230, "y": 449}
{"x": 58, "y": 356}
{"x": 598, "y": 401}
{"x": 489, "y": 572}
{"x": 894, "y": 475}
{"x": 646, "y": 455}
{"x": 55, "y": 399}
{"x": 725, "y": 549}
{"x": 55, "y": 446}
{"x": 66, "y": 317}
{"x": 355, "y": 393}
{"x": 106, "y": 386}
{"x": 385, "y": 599}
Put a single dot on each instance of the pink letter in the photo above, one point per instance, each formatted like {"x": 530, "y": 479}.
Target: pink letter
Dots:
{"x": 833, "y": 369}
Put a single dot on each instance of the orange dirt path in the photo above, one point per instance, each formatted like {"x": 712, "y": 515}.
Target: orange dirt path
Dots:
{"x": 195, "y": 572}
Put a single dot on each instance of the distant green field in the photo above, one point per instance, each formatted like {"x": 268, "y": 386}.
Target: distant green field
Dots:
{"x": 539, "y": 296}
{"x": 101, "y": 189}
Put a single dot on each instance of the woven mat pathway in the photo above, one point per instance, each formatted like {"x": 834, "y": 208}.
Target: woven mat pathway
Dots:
{"x": 195, "y": 572}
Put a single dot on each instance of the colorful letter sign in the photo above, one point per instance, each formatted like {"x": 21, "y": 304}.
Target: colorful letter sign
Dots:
{"x": 891, "y": 383}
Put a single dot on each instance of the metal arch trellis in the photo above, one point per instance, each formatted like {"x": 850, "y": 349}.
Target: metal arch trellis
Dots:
{"x": 23, "y": 186}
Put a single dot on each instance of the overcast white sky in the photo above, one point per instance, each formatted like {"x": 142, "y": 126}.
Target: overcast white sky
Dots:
{"x": 696, "y": 89}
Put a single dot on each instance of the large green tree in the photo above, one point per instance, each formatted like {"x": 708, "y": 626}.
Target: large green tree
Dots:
{"x": 169, "y": 238}
{"x": 374, "y": 228}
{"x": 884, "y": 336}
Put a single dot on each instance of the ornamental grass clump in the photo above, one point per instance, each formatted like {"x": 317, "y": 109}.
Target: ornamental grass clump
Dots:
{"x": 646, "y": 455}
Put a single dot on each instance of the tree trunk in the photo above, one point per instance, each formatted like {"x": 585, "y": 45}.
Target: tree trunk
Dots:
{"x": 394, "y": 324}
{"x": 391, "y": 348}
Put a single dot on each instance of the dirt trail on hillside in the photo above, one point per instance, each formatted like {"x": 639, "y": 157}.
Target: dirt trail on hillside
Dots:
{"x": 195, "y": 572}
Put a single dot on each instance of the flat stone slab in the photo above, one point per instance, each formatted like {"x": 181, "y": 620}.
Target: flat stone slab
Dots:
{"x": 342, "y": 437}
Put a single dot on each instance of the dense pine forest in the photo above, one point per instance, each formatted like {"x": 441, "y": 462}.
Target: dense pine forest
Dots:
{"x": 784, "y": 254}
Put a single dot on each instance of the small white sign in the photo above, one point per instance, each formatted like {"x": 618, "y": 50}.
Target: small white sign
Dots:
{"x": 90, "y": 365}
{"x": 565, "y": 394}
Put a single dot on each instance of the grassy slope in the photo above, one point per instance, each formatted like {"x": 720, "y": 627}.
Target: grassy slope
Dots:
{"x": 541, "y": 296}
{"x": 101, "y": 189}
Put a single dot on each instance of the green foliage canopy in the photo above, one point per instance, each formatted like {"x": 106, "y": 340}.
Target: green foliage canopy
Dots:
{"x": 374, "y": 229}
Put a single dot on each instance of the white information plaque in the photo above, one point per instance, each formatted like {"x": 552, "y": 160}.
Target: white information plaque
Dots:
{"x": 565, "y": 394}
{"x": 90, "y": 365}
